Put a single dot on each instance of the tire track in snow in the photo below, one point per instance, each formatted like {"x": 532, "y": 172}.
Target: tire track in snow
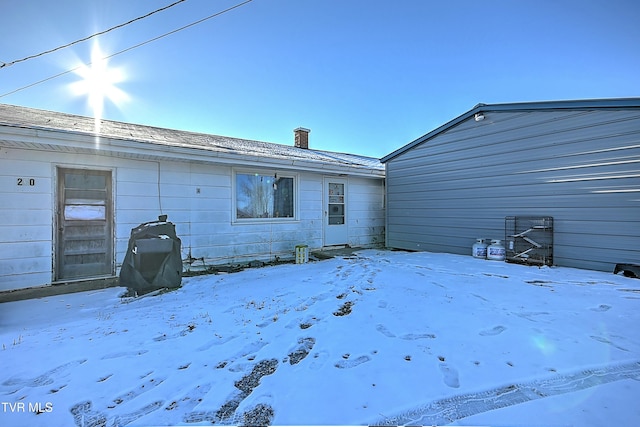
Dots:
{"x": 607, "y": 341}
{"x": 450, "y": 409}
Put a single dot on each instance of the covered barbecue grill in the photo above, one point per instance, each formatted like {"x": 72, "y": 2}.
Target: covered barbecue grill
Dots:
{"x": 153, "y": 260}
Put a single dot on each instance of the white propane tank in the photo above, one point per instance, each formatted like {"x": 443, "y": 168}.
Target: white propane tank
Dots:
{"x": 496, "y": 251}
{"x": 479, "y": 249}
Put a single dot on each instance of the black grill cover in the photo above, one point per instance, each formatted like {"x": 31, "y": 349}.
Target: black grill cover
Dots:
{"x": 153, "y": 260}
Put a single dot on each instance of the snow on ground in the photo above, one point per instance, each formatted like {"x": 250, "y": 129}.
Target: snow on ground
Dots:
{"x": 378, "y": 338}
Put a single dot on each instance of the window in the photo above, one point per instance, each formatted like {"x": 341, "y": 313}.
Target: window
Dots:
{"x": 259, "y": 195}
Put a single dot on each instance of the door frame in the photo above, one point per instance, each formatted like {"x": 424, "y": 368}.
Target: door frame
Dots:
{"x": 58, "y": 170}
{"x": 326, "y": 228}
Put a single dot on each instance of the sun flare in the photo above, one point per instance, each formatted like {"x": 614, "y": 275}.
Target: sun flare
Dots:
{"x": 99, "y": 83}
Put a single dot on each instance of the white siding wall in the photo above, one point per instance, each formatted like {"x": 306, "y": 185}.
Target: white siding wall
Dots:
{"x": 210, "y": 231}
{"x": 581, "y": 167}
{"x": 143, "y": 190}
{"x": 366, "y": 212}
{"x": 25, "y": 220}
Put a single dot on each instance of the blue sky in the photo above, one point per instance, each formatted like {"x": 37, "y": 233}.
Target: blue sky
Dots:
{"x": 366, "y": 76}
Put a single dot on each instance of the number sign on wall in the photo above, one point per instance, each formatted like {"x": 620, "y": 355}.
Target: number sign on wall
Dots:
{"x": 26, "y": 181}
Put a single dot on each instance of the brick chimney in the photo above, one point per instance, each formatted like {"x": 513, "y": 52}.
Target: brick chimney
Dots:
{"x": 302, "y": 137}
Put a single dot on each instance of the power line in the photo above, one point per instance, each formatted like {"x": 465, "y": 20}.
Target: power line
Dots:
{"x": 129, "y": 48}
{"x": 6, "y": 64}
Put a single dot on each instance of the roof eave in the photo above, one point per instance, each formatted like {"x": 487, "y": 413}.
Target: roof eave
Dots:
{"x": 613, "y": 103}
{"x": 45, "y": 139}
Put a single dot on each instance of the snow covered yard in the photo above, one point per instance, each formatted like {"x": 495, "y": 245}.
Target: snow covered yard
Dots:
{"x": 379, "y": 338}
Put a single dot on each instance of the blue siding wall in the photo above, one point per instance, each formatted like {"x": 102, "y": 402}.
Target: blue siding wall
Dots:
{"x": 580, "y": 166}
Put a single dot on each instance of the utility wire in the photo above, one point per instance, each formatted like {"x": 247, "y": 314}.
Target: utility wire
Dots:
{"x": 129, "y": 48}
{"x": 6, "y": 64}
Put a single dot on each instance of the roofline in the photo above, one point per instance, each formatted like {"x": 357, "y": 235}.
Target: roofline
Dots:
{"x": 39, "y": 138}
{"x": 28, "y": 136}
{"x": 584, "y": 104}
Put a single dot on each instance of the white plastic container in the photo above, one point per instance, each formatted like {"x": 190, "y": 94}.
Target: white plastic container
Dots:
{"x": 495, "y": 251}
{"x": 302, "y": 254}
{"x": 479, "y": 249}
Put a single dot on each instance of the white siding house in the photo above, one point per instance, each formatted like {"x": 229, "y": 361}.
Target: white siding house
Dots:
{"x": 575, "y": 161}
{"x": 71, "y": 194}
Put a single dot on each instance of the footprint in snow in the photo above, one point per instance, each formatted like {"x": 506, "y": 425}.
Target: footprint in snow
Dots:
{"x": 233, "y": 308}
{"x": 249, "y": 349}
{"x": 302, "y": 323}
{"x": 119, "y": 354}
{"x": 260, "y": 415}
{"x": 45, "y": 378}
{"x": 411, "y": 337}
{"x": 384, "y": 331}
{"x": 240, "y": 367}
{"x": 352, "y": 363}
{"x": 449, "y": 375}
{"x": 186, "y": 404}
{"x": 104, "y": 378}
{"x": 318, "y": 360}
{"x": 308, "y": 322}
{"x": 602, "y": 307}
{"x": 496, "y": 330}
{"x": 301, "y": 350}
{"x": 57, "y": 389}
{"x": 245, "y": 387}
{"x": 135, "y": 392}
{"x": 163, "y": 337}
{"x": 85, "y": 416}
{"x": 265, "y": 323}
{"x": 219, "y": 340}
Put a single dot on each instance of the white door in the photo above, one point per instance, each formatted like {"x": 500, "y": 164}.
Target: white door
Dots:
{"x": 335, "y": 212}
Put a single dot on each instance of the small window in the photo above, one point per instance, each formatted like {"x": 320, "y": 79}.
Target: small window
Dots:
{"x": 260, "y": 196}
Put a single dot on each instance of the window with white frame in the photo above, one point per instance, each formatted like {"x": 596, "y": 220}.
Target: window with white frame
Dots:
{"x": 262, "y": 195}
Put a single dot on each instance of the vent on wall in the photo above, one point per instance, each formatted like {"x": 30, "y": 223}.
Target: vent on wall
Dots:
{"x": 529, "y": 239}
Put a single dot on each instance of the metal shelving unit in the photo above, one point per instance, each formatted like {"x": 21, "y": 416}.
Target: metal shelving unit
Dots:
{"x": 529, "y": 239}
